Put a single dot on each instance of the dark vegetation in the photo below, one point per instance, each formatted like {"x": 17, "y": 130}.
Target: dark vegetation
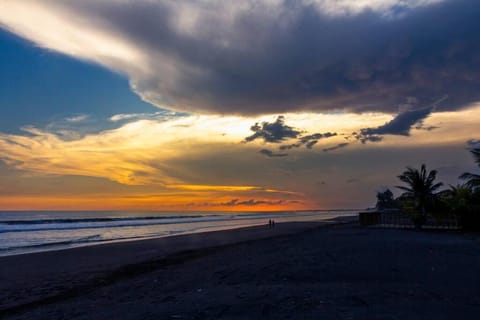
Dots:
{"x": 421, "y": 197}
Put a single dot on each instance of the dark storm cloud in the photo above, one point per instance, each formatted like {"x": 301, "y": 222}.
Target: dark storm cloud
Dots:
{"x": 271, "y": 154}
{"x": 273, "y": 132}
{"x": 338, "y": 146}
{"x": 318, "y": 62}
{"x": 372, "y": 65}
{"x": 257, "y": 57}
{"x": 400, "y": 125}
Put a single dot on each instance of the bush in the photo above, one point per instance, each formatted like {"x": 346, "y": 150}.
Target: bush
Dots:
{"x": 470, "y": 218}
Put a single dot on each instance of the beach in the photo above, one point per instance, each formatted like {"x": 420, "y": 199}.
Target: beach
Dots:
{"x": 318, "y": 270}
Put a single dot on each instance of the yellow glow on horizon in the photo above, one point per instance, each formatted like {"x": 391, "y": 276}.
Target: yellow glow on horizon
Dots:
{"x": 147, "y": 203}
{"x": 200, "y": 163}
{"x": 196, "y": 187}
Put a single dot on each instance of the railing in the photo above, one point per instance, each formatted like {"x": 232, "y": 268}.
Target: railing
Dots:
{"x": 402, "y": 220}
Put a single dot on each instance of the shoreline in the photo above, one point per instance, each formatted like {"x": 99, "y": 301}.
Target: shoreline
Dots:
{"x": 62, "y": 247}
{"x": 71, "y": 245}
{"x": 83, "y": 240}
{"x": 91, "y": 265}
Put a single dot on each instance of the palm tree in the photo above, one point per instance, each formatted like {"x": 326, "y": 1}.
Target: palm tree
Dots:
{"x": 459, "y": 197}
{"x": 421, "y": 187}
{"x": 464, "y": 202}
{"x": 473, "y": 179}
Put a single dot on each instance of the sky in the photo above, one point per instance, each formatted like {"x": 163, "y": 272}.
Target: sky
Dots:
{"x": 232, "y": 105}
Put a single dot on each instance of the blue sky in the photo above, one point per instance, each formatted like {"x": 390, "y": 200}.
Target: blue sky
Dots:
{"x": 40, "y": 87}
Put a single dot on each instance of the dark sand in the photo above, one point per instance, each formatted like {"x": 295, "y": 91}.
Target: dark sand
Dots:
{"x": 295, "y": 271}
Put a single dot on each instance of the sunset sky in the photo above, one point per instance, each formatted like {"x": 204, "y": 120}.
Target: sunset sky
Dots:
{"x": 232, "y": 105}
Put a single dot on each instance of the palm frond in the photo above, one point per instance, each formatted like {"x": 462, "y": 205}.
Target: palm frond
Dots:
{"x": 436, "y": 186}
{"x": 476, "y": 155}
{"x": 404, "y": 188}
{"x": 468, "y": 175}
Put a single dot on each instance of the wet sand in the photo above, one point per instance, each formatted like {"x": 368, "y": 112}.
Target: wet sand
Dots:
{"x": 295, "y": 271}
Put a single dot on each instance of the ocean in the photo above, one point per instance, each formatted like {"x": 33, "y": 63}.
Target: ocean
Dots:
{"x": 34, "y": 231}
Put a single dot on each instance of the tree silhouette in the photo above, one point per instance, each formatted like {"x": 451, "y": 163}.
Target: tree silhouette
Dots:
{"x": 473, "y": 180}
{"x": 385, "y": 200}
{"x": 420, "y": 187}
{"x": 459, "y": 197}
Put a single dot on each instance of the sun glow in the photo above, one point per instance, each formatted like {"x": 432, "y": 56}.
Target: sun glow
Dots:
{"x": 203, "y": 161}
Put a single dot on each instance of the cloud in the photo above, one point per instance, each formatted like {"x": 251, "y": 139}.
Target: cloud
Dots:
{"x": 338, "y": 146}
{"x": 131, "y": 154}
{"x": 274, "y": 132}
{"x": 198, "y": 159}
{"x": 159, "y": 115}
{"x": 270, "y": 56}
{"x": 278, "y": 131}
{"x": 180, "y": 151}
{"x": 420, "y": 126}
{"x": 251, "y": 202}
{"x": 77, "y": 118}
{"x": 473, "y": 143}
{"x": 271, "y": 154}
{"x": 247, "y": 203}
{"x": 399, "y": 125}
{"x": 308, "y": 141}
{"x": 386, "y": 8}
{"x": 369, "y": 138}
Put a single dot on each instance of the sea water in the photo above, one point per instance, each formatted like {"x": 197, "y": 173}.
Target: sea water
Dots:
{"x": 34, "y": 231}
